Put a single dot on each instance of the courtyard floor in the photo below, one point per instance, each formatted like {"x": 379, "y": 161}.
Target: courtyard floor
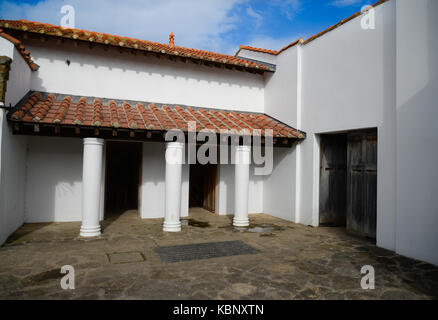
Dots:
{"x": 293, "y": 262}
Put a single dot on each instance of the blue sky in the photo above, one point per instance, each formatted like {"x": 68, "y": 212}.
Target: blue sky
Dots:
{"x": 215, "y": 25}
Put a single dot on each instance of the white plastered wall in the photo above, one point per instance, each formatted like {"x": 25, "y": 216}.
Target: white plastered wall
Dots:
{"x": 111, "y": 74}
{"x": 279, "y": 187}
{"x": 354, "y": 79}
{"x": 283, "y": 101}
{"x": 12, "y": 148}
{"x": 54, "y": 180}
{"x": 349, "y": 83}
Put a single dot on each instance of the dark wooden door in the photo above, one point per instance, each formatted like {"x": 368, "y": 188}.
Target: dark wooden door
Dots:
{"x": 362, "y": 183}
{"x": 210, "y": 183}
{"x": 123, "y": 160}
{"x": 203, "y": 185}
{"x": 333, "y": 180}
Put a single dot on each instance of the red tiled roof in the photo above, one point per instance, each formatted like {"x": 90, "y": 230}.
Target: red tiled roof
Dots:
{"x": 257, "y": 50}
{"x": 47, "y": 109}
{"x": 314, "y": 37}
{"x": 273, "y": 52}
{"x": 24, "y": 53}
{"x": 126, "y": 42}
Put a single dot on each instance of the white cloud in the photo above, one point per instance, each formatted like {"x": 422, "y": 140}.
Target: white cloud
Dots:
{"x": 344, "y": 3}
{"x": 195, "y": 23}
{"x": 255, "y": 15}
{"x": 272, "y": 43}
{"x": 289, "y": 8}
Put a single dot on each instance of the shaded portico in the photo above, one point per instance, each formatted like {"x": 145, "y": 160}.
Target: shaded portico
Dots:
{"x": 99, "y": 120}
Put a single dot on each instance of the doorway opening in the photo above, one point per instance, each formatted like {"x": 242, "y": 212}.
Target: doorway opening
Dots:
{"x": 348, "y": 181}
{"x": 123, "y": 161}
{"x": 202, "y": 186}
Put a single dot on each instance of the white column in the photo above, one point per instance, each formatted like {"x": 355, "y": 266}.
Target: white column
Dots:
{"x": 91, "y": 186}
{"x": 174, "y": 159}
{"x": 241, "y": 185}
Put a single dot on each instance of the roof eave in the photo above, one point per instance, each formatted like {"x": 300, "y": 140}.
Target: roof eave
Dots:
{"x": 138, "y": 45}
{"x": 20, "y": 48}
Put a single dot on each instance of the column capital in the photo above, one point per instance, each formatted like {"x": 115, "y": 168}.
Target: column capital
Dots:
{"x": 243, "y": 148}
{"x": 175, "y": 144}
{"x": 243, "y": 155}
{"x": 94, "y": 141}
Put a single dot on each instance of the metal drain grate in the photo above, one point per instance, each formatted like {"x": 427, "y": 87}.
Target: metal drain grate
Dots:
{"x": 204, "y": 251}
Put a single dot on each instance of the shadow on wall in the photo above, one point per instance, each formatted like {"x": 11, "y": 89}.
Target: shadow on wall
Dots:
{"x": 417, "y": 146}
{"x": 226, "y": 172}
{"x": 53, "y": 179}
{"x": 226, "y": 190}
{"x": 279, "y": 186}
{"x": 12, "y": 179}
{"x": 153, "y": 170}
{"x": 37, "y": 82}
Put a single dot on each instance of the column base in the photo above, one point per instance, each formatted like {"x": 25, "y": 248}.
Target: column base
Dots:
{"x": 172, "y": 226}
{"x": 90, "y": 231}
{"x": 240, "y": 222}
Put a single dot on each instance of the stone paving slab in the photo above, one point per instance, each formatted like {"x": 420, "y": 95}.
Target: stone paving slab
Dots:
{"x": 126, "y": 257}
{"x": 295, "y": 262}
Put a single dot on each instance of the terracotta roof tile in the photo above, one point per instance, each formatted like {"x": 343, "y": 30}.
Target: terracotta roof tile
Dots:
{"x": 63, "y": 110}
{"x": 126, "y": 42}
{"x": 79, "y": 112}
{"x": 274, "y": 52}
{"x": 24, "y": 53}
{"x": 48, "y": 109}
